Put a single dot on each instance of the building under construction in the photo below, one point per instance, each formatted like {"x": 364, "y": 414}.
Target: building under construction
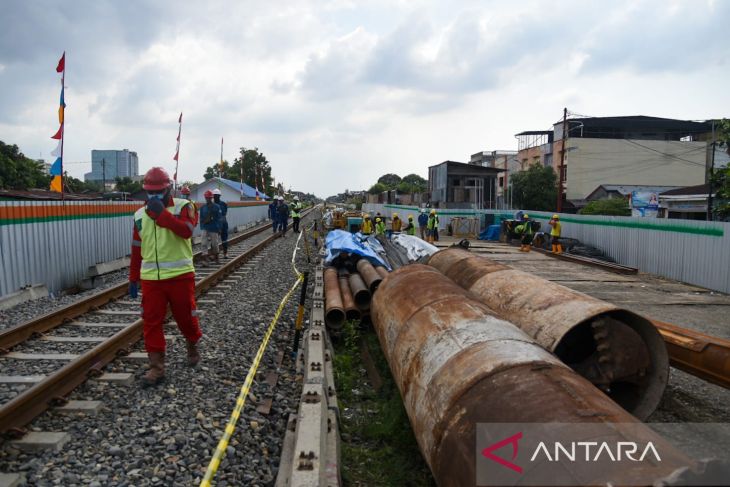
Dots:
{"x": 457, "y": 184}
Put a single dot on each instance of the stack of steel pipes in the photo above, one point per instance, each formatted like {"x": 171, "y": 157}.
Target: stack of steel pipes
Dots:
{"x": 458, "y": 363}
{"x": 619, "y": 351}
{"x": 347, "y": 294}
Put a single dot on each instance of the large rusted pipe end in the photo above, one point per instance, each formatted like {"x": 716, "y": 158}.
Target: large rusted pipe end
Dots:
{"x": 619, "y": 351}
{"x": 623, "y": 354}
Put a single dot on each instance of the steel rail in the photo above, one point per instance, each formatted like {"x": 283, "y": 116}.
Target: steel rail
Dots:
{"x": 601, "y": 264}
{"x": 704, "y": 356}
{"x": 41, "y": 324}
{"x": 32, "y": 402}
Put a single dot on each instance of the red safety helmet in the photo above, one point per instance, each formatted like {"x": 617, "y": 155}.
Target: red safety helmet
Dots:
{"x": 185, "y": 190}
{"x": 208, "y": 194}
{"x": 156, "y": 179}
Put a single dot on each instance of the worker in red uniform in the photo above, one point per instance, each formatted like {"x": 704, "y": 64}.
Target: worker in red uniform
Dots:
{"x": 162, "y": 258}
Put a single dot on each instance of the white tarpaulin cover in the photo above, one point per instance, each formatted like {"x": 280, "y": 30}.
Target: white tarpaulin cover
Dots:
{"x": 415, "y": 247}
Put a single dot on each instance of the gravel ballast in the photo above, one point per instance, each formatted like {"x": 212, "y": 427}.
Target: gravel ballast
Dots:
{"x": 166, "y": 435}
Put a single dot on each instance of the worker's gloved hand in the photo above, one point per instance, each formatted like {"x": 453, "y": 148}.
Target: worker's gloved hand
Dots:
{"x": 155, "y": 207}
{"x": 133, "y": 288}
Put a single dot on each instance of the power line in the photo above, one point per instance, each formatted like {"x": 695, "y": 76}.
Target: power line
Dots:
{"x": 664, "y": 153}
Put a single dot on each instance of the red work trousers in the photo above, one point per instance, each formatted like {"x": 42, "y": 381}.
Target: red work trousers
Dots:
{"x": 180, "y": 294}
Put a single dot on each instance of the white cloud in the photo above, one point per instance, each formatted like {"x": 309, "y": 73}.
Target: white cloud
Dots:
{"x": 338, "y": 93}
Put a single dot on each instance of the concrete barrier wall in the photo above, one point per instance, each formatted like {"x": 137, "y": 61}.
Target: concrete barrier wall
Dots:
{"x": 54, "y": 243}
{"x": 695, "y": 252}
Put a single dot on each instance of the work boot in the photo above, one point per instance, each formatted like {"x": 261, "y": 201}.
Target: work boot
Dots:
{"x": 225, "y": 253}
{"x": 156, "y": 374}
{"x": 554, "y": 248}
{"x": 560, "y": 248}
{"x": 527, "y": 248}
{"x": 193, "y": 354}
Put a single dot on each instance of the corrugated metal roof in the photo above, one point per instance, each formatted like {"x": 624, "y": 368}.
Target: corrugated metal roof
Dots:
{"x": 43, "y": 194}
{"x": 626, "y": 189}
{"x": 236, "y": 185}
{"x": 688, "y": 190}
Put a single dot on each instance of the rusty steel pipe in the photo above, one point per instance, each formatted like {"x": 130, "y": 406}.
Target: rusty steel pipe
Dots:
{"x": 704, "y": 356}
{"x": 334, "y": 311}
{"x": 369, "y": 274}
{"x": 348, "y": 301}
{"x": 360, "y": 292}
{"x": 457, "y": 364}
{"x": 619, "y": 351}
{"x": 382, "y": 271}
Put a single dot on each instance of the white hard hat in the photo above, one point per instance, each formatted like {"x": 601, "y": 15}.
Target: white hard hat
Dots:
{"x": 216, "y": 191}
{"x": 281, "y": 198}
{"x": 296, "y": 198}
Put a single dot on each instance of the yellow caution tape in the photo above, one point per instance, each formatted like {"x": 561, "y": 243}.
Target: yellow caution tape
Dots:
{"x": 220, "y": 450}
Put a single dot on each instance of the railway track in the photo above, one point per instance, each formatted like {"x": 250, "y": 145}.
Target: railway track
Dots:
{"x": 99, "y": 311}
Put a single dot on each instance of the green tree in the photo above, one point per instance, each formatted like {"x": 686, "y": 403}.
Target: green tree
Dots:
{"x": 377, "y": 188}
{"x": 126, "y": 185}
{"x": 535, "y": 189}
{"x": 721, "y": 177}
{"x": 20, "y": 172}
{"x": 721, "y": 201}
{"x": 254, "y": 163}
{"x": 73, "y": 185}
{"x": 390, "y": 180}
{"x": 608, "y": 206}
{"x": 413, "y": 183}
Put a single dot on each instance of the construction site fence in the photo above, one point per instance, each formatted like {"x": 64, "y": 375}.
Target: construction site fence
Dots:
{"x": 55, "y": 242}
{"x": 695, "y": 252}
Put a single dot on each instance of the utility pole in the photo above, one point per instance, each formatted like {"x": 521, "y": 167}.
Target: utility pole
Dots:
{"x": 712, "y": 172}
{"x": 559, "y": 205}
{"x": 103, "y": 175}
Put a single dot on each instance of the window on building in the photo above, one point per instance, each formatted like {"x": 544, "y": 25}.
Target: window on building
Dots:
{"x": 565, "y": 173}
{"x": 501, "y": 181}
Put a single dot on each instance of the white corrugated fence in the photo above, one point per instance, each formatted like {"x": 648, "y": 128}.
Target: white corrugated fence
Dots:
{"x": 695, "y": 252}
{"x": 54, "y": 243}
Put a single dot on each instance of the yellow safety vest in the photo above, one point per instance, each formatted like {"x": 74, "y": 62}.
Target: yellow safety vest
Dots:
{"x": 380, "y": 228}
{"x": 367, "y": 226}
{"x": 555, "y": 232}
{"x": 164, "y": 254}
{"x": 412, "y": 228}
{"x": 296, "y": 208}
{"x": 433, "y": 222}
{"x": 396, "y": 224}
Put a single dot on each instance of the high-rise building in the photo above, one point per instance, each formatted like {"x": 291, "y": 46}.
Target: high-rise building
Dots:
{"x": 106, "y": 165}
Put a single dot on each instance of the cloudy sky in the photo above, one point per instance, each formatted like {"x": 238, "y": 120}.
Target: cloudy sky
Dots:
{"x": 336, "y": 93}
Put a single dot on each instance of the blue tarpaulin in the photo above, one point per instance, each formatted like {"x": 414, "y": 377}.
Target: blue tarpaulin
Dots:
{"x": 339, "y": 241}
{"x": 490, "y": 233}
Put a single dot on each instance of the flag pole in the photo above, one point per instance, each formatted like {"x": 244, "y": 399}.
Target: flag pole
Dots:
{"x": 177, "y": 153}
{"x": 220, "y": 166}
{"x": 243, "y": 159}
{"x": 63, "y": 125}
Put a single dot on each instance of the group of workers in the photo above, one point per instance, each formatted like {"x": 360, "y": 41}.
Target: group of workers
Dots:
{"x": 526, "y": 230}
{"x": 427, "y": 224}
{"x": 280, "y": 211}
